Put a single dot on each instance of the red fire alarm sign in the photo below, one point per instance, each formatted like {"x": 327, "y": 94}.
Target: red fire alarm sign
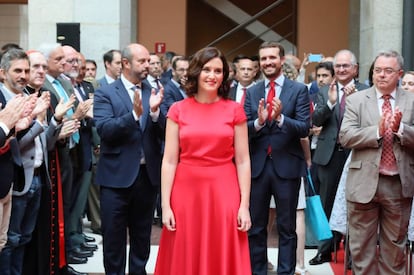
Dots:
{"x": 160, "y": 47}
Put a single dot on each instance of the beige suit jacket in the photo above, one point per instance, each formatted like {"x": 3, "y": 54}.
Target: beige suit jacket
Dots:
{"x": 359, "y": 132}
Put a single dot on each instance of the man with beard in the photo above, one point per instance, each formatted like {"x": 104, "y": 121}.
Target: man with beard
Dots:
{"x": 277, "y": 111}
{"x": 75, "y": 244}
{"x": 34, "y": 146}
{"x": 14, "y": 67}
{"x": 131, "y": 127}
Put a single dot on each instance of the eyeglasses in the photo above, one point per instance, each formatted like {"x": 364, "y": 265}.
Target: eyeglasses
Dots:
{"x": 387, "y": 71}
{"x": 73, "y": 61}
{"x": 344, "y": 66}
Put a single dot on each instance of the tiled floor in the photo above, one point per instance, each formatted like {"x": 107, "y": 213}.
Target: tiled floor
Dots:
{"x": 95, "y": 263}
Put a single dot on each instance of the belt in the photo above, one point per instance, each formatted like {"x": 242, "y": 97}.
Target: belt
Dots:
{"x": 36, "y": 171}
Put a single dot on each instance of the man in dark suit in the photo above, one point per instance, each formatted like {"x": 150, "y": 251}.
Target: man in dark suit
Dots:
{"x": 82, "y": 157}
{"x": 275, "y": 127}
{"x": 62, "y": 90}
{"x": 167, "y": 61}
{"x": 329, "y": 155}
{"x": 245, "y": 79}
{"x": 112, "y": 63}
{"x": 378, "y": 127}
{"x": 173, "y": 89}
{"x": 131, "y": 127}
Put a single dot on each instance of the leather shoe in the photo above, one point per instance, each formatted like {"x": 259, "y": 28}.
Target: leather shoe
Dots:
{"x": 80, "y": 253}
{"x": 71, "y": 259}
{"x": 71, "y": 271}
{"x": 88, "y": 239}
{"x": 320, "y": 259}
{"x": 88, "y": 246}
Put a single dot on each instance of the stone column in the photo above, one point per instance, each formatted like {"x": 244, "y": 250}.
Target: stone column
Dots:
{"x": 380, "y": 29}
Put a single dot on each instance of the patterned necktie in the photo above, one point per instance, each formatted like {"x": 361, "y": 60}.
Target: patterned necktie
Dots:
{"x": 270, "y": 96}
{"x": 342, "y": 104}
{"x": 388, "y": 164}
{"x": 62, "y": 94}
{"x": 243, "y": 96}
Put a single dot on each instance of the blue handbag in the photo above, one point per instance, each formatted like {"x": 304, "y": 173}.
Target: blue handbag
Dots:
{"x": 315, "y": 215}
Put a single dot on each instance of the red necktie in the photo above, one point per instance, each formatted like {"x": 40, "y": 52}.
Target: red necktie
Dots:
{"x": 270, "y": 96}
{"x": 243, "y": 96}
{"x": 388, "y": 164}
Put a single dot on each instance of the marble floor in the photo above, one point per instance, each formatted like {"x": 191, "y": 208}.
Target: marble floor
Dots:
{"x": 94, "y": 266}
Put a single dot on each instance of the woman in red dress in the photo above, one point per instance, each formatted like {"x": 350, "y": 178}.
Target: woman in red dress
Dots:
{"x": 205, "y": 177}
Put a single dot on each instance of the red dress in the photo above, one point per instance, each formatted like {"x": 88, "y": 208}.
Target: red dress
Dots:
{"x": 205, "y": 196}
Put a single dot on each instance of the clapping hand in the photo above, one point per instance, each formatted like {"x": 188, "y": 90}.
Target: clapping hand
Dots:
{"x": 396, "y": 120}
{"x": 262, "y": 111}
{"x": 333, "y": 92}
{"x": 63, "y": 107}
{"x": 13, "y": 111}
{"x": 389, "y": 120}
{"x": 276, "y": 108}
{"x": 156, "y": 99}
{"x": 137, "y": 104}
{"x": 69, "y": 127}
{"x": 42, "y": 103}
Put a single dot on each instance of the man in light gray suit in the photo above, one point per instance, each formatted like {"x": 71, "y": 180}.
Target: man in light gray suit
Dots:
{"x": 378, "y": 126}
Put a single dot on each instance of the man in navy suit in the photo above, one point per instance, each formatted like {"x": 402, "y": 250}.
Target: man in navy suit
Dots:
{"x": 131, "y": 127}
{"x": 276, "y": 123}
{"x": 113, "y": 67}
{"x": 173, "y": 89}
{"x": 245, "y": 79}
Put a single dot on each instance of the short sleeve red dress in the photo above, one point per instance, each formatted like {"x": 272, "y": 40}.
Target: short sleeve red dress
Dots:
{"x": 205, "y": 196}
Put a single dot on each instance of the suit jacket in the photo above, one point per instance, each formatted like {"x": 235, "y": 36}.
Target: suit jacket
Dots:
{"x": 48, "y": 136}
{"x": 9, "y": 160}
{"x": 233, "y": 92}
{"x": 171, "y": 94}
{"x": 67, "y": 86}
{"x": 359, "y": 132}
{"x": 123, "y": 139}
{"x": 102, "y": 82}
{"x": 166, "y": 76}
{"x": 329, "y": 120}
{"x": 3, "y": 136}
{"x": 288, "y": 157}
{"x": 84, "y": 150}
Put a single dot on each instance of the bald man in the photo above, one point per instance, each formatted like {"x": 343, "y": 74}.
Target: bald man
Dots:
{"x": 127, "y": 117}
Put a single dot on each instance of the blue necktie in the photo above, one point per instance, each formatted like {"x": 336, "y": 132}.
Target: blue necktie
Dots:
{"x": 62, "y": 93}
